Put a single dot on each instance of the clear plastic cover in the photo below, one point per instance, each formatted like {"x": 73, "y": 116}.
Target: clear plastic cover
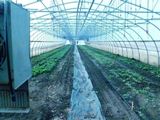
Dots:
{"x": 128, "y": 27}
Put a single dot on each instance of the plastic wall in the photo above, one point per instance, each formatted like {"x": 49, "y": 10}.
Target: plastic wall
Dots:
{"x": 129, "y": 28}
{"x": 147, "y": 52}
{"x": 42, "y": 42}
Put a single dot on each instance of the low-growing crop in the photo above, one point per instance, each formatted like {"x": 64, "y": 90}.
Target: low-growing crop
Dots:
{"x": 134, "y": 80}
{"x": 46, "y": 62}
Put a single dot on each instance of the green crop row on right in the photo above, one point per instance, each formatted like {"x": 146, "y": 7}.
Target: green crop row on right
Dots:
{"x": 137, "y": 82}
{"x": 141, "y": 67}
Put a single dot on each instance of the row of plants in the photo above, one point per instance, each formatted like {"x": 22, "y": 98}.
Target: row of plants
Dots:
{"x": 132, "y": 85}
{"x": 146, "y": 69}
{"x": 38, "y": 58}
{"x": 47, "y": 61}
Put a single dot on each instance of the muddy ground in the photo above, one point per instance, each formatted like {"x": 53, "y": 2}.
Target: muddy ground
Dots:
{"x": 49, "y": 94}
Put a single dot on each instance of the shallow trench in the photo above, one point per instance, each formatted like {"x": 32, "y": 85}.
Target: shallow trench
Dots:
{"x": 84, "y": 101}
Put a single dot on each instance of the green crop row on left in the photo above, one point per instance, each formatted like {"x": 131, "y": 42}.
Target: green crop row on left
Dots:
{"x": 46, "y": 62}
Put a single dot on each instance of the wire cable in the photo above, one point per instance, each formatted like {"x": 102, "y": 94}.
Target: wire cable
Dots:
{"x": 2, "y": 51}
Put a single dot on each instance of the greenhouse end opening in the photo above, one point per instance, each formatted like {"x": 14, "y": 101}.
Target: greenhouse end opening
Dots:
{"x": 79, "y": 60}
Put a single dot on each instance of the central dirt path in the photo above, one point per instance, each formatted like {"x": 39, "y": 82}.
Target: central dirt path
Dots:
{"x": 84, "y": 101}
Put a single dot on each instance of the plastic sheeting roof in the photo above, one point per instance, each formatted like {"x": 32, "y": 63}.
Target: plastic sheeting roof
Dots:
{"x": 127, "y": 27}
{"x": 82, "y": 19}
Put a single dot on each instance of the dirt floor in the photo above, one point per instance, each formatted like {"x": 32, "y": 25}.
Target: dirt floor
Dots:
{"x": 49, "y": 94}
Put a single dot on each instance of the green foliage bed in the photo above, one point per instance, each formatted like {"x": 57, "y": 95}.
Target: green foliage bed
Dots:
{"x": 46, "y": 62}
{"x": 136, "y": 81}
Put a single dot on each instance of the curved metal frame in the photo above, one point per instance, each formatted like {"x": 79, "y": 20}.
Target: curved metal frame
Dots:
{"x": 117, "y": 20}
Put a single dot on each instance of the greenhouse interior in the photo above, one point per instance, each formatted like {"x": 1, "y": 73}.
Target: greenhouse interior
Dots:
{"x": 79, "y": 60}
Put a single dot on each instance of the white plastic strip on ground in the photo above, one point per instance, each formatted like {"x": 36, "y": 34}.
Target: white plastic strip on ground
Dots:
{"x": 84, "y": 101}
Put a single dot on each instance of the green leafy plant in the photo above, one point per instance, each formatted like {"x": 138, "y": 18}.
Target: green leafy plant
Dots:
{"x": 46, "y": 62}
{"x": 130, "y": 77}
